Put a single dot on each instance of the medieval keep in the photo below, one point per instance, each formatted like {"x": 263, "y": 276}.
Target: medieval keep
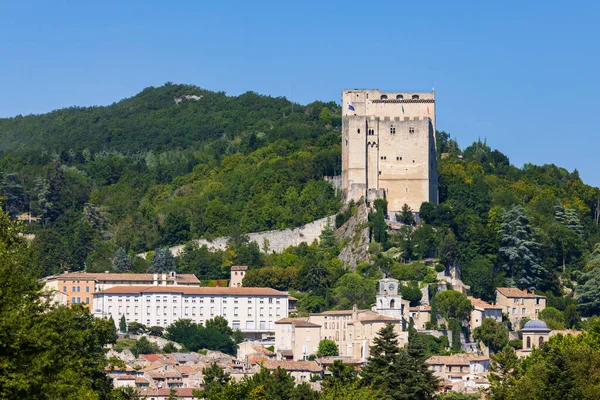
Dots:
{"x": 388, "y": 148}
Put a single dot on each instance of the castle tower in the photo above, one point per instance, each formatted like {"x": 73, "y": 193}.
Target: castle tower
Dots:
{"x": 388, "y": 301}
{"x": 388, "y": 148}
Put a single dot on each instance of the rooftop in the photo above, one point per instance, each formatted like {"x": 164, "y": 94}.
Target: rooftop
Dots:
{"x": 180, "y": 278}
{"x": 515, "y": 292}
{"x": 298, "y": 322}
{"x": 239, "y": 267}
{"x": 478, "y": 303}
{"x": 231, "y": 291}
{"x": 310, "y": 366}
{"x": 535, "y": 325}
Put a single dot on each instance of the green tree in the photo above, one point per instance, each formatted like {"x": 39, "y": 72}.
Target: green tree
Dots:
{"x": 453, "y": 304}
{"x": 479, "y": 274}
{"x": 493, "y": 334}
{"x": 406, "y": 215}
{"x": 588, "y": 294}
{"x": 142, "y": 346}
{"x": 351, "y": 289}
{"x": 162, "y": 261}
{"x": 517, "y": 250}
{"x": 379, "y": 227}
{"x": 448, "y": 249}
{"x": 327, "y": 348}
{"x": 135, "y": 328}
{"x": 122, "y": 262}
{"x": 554, "y": 318}
{"x": 123, "y": 324}
{"x": 571, "y": 317}
{"x": 380, "y": 370}
{"x": 340, "y": 374}
{"x": 169, "y": 348}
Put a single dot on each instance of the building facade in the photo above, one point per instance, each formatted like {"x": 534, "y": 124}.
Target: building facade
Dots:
{"x": 237, "y": 275}
{"x": 251, "y": 310}
{"x": 519, "y": 304}
{"x": 297, "y": 338}
{"x": 388, "y": 148}
{"x": 483, "y": 310}
{"x": 79, "y": 287}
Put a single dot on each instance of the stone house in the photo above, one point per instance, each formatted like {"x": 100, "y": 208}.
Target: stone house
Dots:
{"x": 483, "y": 310}
{"x": 519, "y": 304}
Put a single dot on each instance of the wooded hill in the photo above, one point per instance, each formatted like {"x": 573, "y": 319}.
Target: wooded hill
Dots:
{"x": 177, "y": 162}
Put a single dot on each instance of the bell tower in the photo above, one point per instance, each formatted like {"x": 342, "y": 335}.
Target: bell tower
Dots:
{"x": 389, "y": 302}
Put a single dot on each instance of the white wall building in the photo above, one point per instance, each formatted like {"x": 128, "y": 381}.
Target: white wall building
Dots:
{"x": 252, "y": 310}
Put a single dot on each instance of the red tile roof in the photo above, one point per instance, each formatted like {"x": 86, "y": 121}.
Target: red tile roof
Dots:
{"x": 299, "y": 322}
{"x": 478, "y": 303}
{"x": 179, "y": 278}
{"x": 515, "y": 292}
{"x": 186, "y": 393}
{"x": 239, "y": 268}
{"x": 125, "y": 377}
{"x": 231, "y": 291}
{"x": 310, "y": 366}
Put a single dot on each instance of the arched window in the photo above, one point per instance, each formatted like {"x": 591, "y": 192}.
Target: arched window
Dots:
{"x": 392, "y": 303}
{"x": 384, "y": 97}
{"x": 541, "y": 341}
{"x": 399, "y": 97}
{"x": 528, "y": 342}
{"x": 415, "y": 97}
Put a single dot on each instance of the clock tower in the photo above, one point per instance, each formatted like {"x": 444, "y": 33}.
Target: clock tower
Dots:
{"x": 389, "y": 302}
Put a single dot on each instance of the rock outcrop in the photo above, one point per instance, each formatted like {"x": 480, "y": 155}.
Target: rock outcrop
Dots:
{"x": 354, "y": 236}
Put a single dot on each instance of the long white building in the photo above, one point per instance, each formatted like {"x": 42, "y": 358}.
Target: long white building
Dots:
{"x": 252, "y": 310}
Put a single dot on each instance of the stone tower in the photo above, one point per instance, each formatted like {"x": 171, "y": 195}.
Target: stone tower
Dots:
{"x": 388, "y": 301}
{"x": 388, "y": 148}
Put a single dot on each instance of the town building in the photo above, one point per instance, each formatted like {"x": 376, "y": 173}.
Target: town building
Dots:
{"x": 251, "y": 310}
{"x": 389, "y": 148}
{"x": 388, "y": 301}
{"x": 483, "y": 310}
{"x": 297, "y": 338}
{"x": 79, "y": 287}
{"x": 301, "y": 371}
{"x": 237, "y": 275}
{"x": 535, "y": 334}
{"x": 352, "y": 330}
{"x": 420, "y": 316}
{"x": 464, "y": 373}
{"x": 519, "y": 304}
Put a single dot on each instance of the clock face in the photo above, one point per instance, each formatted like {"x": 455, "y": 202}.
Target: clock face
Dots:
{"x": 391, "y": 286}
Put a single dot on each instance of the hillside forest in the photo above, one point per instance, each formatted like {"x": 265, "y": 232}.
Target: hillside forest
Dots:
{"x": 98, "y": 185}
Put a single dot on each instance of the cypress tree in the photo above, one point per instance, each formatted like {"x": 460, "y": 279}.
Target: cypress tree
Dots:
{"x": 123, "y": 324}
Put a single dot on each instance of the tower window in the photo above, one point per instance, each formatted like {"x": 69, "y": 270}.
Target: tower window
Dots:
{"x": 383, "y": 157}
{"x": 371, "y": 132}
{"x": 411, "y": 129}
{"x": 399, "y": 97}
{"x": 415, "y": 97}
{"x": 392, "y": 130}
{"x": 358, "y": 130}
{"x": 383, "y": 97}
{"x": 379, "y": 172}
{"x": 397, "y": 158}
{"x": 413, "y": 161}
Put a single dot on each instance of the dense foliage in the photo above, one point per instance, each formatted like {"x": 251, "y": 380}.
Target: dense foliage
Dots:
{"x": 148, "y": 171}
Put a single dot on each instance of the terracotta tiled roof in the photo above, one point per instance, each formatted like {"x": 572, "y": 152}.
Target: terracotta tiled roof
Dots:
{"x": 139, "y": 379}
{"x": 239, "y": 268}
{"x": 165, "y": 374}
{"x": 286, "y": 353}
{"x": 186, "y": 393}
{"x": 421, "y": 308}
{"x": 232, "y": 291}
{"x": 446, "y": 360}
{"x": 299, "y": 322}
{"x": 161, "y": 358}
{"x": 191, "y": 369}
{"x": 377, "y": 318}
{"x": 515, "y": 292}
{"x": 339, "y": 312}
{"x": 310, "y": 366}
{"x": 125, "y": 377}
{"x": 180, "y": 278}
{"x": 330, "y": 360}
{"x": 478, "y": 303}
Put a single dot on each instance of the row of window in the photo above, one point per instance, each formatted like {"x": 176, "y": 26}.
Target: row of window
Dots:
{"x": 194, "y": 299}
{"x": 397, "y": 158}
{"x": 371, "y": 132}
{"x": 77, "y": 300}
{"x": 186, "y": 310}
{"x": 399, "y": 97}
{"x": 76, "y": 289}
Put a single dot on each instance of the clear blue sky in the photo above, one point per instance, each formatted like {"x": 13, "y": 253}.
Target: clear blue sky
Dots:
{"x": 521, "y": 74}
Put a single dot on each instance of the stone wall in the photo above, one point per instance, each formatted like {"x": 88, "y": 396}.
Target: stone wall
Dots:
{"x": 277, "y": 240}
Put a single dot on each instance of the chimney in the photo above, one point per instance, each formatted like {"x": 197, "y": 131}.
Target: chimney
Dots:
{"x": 354, "y": 312}
{"x": 164, "y": 279}
{"x": 155, "y": 278}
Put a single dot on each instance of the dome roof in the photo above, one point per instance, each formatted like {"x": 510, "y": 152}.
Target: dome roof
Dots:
{"x": 536, "y": 325}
